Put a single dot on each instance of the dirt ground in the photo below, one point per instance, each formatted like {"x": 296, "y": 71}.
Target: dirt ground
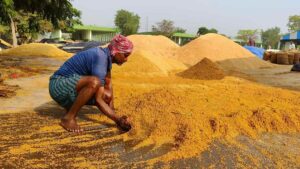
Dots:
{"x": 31, "y": 137}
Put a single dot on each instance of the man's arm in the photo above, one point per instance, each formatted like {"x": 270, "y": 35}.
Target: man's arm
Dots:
{"x": 108, "y": 92}
{"x": 122, "y": 122}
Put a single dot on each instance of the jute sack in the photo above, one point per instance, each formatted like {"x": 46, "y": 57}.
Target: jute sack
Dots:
{"x": 273, "y": 58}
{"x": 282, "y": 58}
{"x": 291, "y": 58}
{"x": 267, "y": 56}
{"x": 296, "y": 58}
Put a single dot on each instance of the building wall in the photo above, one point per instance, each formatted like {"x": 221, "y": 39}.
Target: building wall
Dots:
{"x": 87, "y": 35}
{"x": 78, "y": 35}
{"x": 56, "y": 34}
{"x": 102, "y": 36}
{"x": 181, "y": 40}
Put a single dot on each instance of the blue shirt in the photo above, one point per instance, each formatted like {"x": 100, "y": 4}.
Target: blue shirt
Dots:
{"x": 92, "y": 62}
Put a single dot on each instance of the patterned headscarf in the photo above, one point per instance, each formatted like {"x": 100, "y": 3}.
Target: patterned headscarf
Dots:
{"x": 120, "y": 44}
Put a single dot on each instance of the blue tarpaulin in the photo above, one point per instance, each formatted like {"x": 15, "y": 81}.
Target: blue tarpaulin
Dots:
{"x": 259, "y": 52}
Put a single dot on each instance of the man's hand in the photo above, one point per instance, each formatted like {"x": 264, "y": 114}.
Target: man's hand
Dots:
{"x": 123, "y": 123}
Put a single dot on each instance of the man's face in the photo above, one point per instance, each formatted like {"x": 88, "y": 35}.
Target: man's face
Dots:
{"x": 120, "y": 58}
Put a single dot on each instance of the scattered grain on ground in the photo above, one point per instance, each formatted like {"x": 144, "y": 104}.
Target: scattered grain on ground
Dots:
{"x": 184, "y": 114}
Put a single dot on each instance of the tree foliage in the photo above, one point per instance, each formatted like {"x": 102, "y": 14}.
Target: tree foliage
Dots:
{"x": 3, "y": 30}
{"x": 165, "y": 27}
{"x": 294, "y": 23}
{"x": 6, "y": 10}
{"x": 179, "y": 30}
{"x": 245, "y": 34}
{"x": 271, "y": 37}
{"x": 51, "y": 10}
{"x": 213, "y": 30}
{"x": 204, "y": 30}
{"x": 27, "y": 17}
{"x": 30, "y": 25}
{"x": 127, "y": 22}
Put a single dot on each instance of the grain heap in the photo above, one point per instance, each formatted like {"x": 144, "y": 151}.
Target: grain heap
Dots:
{"x": 36, "y": 49}
{"x": 157, "y": 50}
{"x": 204, "y": 70}
{"x": 137, "y": 65}
{"x": 157, "y": 45}
{"x": 180, "y": 115}
{"x": 191, "y": 117}
{"x": 218, "y": 48}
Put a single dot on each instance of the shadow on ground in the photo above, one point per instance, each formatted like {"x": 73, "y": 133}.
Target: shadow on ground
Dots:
{"x": 52, "y": 110}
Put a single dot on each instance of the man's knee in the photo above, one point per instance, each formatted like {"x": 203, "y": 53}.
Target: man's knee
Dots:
{"x": 94, "y": 83}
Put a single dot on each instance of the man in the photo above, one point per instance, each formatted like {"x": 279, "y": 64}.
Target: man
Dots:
{"x": 85, "y": 78}
{"x": 251, "y": 42}
{"x": 292, "y": 46}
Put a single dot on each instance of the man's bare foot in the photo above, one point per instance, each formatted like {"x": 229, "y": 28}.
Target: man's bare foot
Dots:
{"x": 70, "y": 125}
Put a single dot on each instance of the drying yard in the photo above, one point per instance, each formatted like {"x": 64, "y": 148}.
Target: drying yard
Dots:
{"x": 210, "y": 103}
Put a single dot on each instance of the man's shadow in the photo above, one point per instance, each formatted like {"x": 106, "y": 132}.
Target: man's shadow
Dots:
{"x": 53, "y": 111}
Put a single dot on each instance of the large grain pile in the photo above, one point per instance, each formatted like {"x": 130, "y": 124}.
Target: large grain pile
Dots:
{"x": 137, "y": 64}
{"x": 204, "y": 70}
{"x": 158, "y": 45}
{"x": 36, "y": 49}
{"x": 190, "y": 117}
{"x": 219, "y": 49}
{"x": 159, "y": 50}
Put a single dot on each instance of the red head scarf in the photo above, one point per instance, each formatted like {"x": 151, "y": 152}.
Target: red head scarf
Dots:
{"x": 120, "y": 44}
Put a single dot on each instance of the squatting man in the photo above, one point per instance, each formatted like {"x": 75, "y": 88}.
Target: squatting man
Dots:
{"x": 85, "y": 79}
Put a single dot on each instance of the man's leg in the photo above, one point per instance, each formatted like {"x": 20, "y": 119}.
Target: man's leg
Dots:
{"x": 86, "y": 88}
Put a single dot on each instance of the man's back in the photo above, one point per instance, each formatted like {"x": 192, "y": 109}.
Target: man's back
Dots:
{"x": 95, "y": 61}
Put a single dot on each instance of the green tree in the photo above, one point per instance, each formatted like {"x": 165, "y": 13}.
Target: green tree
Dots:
{"x": 213, "y": 30}
{"x": 245, "y": 34}
{"x": 127, "y": 22}
{"x": 3, "y": 29}
{"x": 165, "y": 27}
{"x": 4, "y": 32}
{"x": 53, "y": 11}
{"x": 271, "y": 37}
{"x": 30, "y": 25}
{"x": 294, "y": 23}
{"x": 179, "y": 30}
{"x": 204, "y": 30}
{"x": 7, "y": 12}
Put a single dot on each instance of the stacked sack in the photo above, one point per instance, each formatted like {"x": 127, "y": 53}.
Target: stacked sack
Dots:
{"x": 283, "y": 58}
